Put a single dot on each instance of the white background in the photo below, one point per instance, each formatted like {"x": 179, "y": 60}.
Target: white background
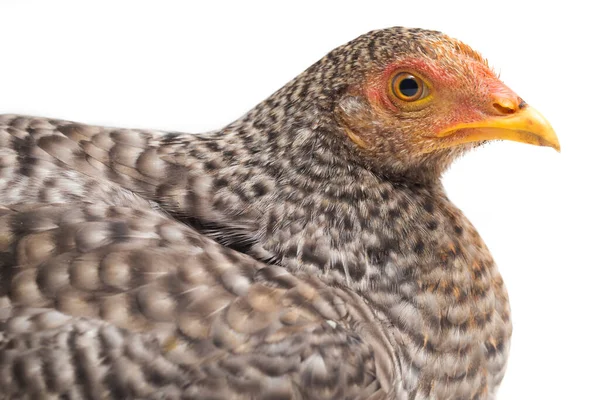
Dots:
{"x": 190, "y": 66}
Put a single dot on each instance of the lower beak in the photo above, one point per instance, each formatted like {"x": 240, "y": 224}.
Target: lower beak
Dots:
{"x": 525, "y": 125}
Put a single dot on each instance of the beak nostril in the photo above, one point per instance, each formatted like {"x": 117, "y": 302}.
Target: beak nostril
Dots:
{"x": 504, "y": 108}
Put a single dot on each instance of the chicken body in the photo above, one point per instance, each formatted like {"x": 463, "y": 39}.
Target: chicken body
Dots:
{"x": 271, "y": 259}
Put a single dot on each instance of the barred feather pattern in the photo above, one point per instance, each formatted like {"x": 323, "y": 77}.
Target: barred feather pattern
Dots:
{"x": 266, "y": 260}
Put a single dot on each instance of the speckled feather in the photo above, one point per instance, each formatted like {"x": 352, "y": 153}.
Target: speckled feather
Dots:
{"x": 271, "y": 259}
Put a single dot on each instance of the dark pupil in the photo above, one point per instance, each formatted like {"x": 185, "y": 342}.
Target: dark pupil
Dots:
{"x": 409, "y": 87}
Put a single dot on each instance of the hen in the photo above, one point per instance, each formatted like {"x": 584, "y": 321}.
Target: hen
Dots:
{"x": 306, "y": 250}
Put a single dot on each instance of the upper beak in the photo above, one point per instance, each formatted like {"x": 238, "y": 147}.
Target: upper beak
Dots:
{"x": 522, "y": 124}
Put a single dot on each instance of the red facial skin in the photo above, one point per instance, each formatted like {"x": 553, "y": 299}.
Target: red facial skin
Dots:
{"x": 469, "y": 94}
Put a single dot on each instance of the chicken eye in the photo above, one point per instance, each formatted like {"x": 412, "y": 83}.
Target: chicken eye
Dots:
{"x": 408, "y": 87}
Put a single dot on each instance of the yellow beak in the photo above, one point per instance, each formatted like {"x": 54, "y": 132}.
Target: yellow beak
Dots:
{"x": 525, "y": 125}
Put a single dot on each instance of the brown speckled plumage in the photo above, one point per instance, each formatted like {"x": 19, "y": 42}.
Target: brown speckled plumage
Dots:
{"x": 272, "y": 259}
